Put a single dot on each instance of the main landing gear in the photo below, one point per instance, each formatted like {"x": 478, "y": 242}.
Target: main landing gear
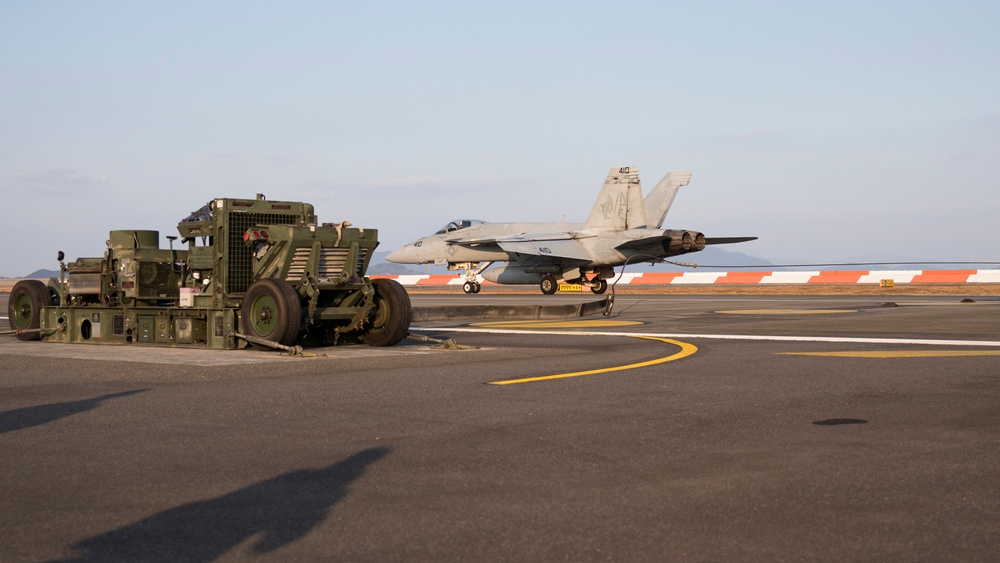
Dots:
{"x": 599, "y": 285}
{"x": 550, "y": 285}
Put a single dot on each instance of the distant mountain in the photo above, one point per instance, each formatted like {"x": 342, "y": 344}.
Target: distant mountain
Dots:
{"x": 43, "y": 274}
{"x": 390, "y": 269}
{"x": 380, "y": 267}
{"x": 901, "y": 262}
{"x": 870, "y": 262}
{"x": 713, "y": 259}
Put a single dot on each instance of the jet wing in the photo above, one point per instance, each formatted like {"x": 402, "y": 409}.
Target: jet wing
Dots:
{"x": 525, "y": 237}
{"x": 563, "y": 245}
{"x": 558, "y": 235}
{"x": 552, "y": 248}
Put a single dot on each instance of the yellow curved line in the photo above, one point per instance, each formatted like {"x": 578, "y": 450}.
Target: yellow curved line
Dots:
{"x": 686, "y": 350}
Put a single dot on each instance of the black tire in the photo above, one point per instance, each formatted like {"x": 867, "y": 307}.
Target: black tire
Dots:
{"x": 391, "y": 320}
{"x": 469, "y": 287}
{"x": 600, "y": 286}
{"x": 478, "y": 287}
{"x": 24, "y": 307}
{"x": 549, "y": 285}
{"x": 271, "y": 310}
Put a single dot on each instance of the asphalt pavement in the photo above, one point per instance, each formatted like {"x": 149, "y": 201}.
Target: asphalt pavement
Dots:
{"x": 677, "y": 428}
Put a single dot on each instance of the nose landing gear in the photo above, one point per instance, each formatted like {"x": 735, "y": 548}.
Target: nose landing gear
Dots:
{"x": 472, "y": 271}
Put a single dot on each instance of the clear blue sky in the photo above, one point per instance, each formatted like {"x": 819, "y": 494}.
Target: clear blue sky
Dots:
{"x": 830, "y": 130}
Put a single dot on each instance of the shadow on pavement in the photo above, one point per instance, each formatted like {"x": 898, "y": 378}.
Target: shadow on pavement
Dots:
{"x": 281, "y": 510}
{"x": 19, "y": 419}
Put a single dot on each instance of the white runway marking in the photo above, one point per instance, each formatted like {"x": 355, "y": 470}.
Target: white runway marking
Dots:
{"x": 831, "y": 339}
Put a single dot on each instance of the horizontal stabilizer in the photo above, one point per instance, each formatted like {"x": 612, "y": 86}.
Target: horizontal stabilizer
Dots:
{"x": 728, "y": 240}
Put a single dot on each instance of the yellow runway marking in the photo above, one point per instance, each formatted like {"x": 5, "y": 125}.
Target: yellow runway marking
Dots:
{"x": 686, "y": 350}
{"x": 786, "y": 311}
{"x": 594, "y": 323}
{"x": 883, "y": 354}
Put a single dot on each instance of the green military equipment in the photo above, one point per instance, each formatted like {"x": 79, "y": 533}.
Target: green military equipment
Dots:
{"x": 254, "y": 271}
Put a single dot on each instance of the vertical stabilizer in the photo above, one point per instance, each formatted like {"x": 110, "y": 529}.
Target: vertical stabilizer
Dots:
{"x": 661, "y": 197}
{"x": 619, "y": 206}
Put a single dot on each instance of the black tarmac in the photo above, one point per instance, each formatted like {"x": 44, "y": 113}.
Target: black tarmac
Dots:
{"x": 765, "y": 428}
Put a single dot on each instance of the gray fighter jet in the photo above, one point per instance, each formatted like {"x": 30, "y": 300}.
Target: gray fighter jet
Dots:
{"x": 623, "y": 228}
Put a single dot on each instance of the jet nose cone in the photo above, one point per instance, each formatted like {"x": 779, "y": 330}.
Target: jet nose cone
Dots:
{"x": 402, "y": 255}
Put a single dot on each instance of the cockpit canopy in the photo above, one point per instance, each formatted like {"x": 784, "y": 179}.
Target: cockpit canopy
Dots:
{"x": 458, "y": 224}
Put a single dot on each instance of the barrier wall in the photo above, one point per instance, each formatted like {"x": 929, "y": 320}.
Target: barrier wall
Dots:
{"x": 733, "y": 278}
{"x": 753, "y": 278}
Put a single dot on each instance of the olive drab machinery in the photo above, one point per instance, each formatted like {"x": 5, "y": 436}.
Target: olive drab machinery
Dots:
{"x": 254, "y": 271}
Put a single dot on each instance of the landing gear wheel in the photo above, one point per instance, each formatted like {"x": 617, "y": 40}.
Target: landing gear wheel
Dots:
{"x": 470, "y": 287}
{"x": 600, "y": 286}
{"x": 478, "y": 287}
{"x": 549, "y": 285}
{"x": 271, "y": 310}
{"x": 391, "y": 320}
{"x": 24, "y": 307}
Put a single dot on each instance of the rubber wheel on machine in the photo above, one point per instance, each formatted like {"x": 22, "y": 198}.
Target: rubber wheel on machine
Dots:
{"x": 391, "y": 320}
{"x": 549, "y": 285}
{"x": 600, "y": 287}
{"x": 271, "y": 310}
{"x": 24, "y": 307}
{"x": 469, "y": 287}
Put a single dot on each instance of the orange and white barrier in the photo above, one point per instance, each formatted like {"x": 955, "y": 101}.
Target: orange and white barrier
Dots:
{"x": 753, "y": 278}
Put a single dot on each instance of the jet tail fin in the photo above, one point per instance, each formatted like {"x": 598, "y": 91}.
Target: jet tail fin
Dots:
{"x": 619, "y": 206}
{"x": 662, "y": 196}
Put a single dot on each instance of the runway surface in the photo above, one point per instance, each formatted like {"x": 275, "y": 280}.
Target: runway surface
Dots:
{"x": 676, "y": 428}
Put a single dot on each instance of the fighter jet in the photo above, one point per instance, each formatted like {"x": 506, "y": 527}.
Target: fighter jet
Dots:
{"x": 623, "y": 228}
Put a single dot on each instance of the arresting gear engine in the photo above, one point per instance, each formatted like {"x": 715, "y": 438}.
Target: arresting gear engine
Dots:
{"x": 254, "y": 270}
